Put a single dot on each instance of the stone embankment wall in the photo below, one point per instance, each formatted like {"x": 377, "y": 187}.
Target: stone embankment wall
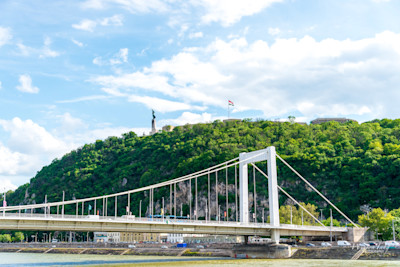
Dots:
{"x": 324, "y": 253}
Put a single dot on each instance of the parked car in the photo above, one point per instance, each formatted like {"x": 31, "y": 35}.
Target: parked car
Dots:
{"x": 373, "y": 244}
{"x": 164, "y": 247}
{"x": 363, "y": 245}
{"x": 343, "y": 243}
{"x": 392, "y": 244}
{"x": 310, "y": 245}
{"x": 131, "y": 246}
{"x": 326, "y": 244}
{"x": 200, "y": 246}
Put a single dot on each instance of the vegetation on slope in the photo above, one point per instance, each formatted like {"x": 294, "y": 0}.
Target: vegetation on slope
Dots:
{"x": 354, "y": 165}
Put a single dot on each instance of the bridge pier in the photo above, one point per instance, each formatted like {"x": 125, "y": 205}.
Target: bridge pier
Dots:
{"x": 269, "y": 155}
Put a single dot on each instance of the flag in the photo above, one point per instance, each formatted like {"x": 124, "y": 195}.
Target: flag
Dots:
{"x": 230, "y": 103}
{"x": 4, "y": 203}
{"x": 90, "y": 207}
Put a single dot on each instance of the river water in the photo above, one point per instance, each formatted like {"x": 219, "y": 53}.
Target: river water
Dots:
{"x": 33, "y": 259}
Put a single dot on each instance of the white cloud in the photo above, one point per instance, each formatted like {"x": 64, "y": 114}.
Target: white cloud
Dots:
{"x": 70, "y": 123}
{"x": 5, "y": 36}
{"x": 90, "y": 25}
{"x": 12, "y": 163}
{"x": 29, "y": 137}
{"x": 6, "y": 184}
{"x": 119, "y": 58}
{"x": 115, "y": 20}
{"x": 29, "y": 147}
{"x": 0, "y": 85}
{"x": 84, "y": 98}
{"x": 43, "y": 52}
{"x": 381, "y": 1}
{"x": 26, "y": 85}
{"x": 195, "y": 35}
{"x": 226, "y": 12}
{"x": 77, "y": 43}
{"x": 25, "y": 50}
{"x": 190, "y": 118}
{"x": 274, "y": 31}
{"x": 85, "y": 25}
{"x": 341, "y": 77}
{"x": 133, "y": 6}
{"x": 161, "y": 105}
{"x": 229, "y": 12}
{"x": 46, "y": 51}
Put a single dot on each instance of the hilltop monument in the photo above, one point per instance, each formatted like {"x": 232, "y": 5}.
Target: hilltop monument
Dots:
{"x": 153, "y": 124}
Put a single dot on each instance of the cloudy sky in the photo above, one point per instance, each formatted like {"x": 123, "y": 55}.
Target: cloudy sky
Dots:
{"x": 75, "y": 71}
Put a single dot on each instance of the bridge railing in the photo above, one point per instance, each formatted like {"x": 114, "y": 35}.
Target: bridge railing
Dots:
{"x": 126, "y": 219}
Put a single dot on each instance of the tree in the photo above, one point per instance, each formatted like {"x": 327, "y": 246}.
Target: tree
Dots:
{"x": 327, "y": 222}
{"x": 6, "y": 238}
{"x": 296, "y": 215}
{"x": 18, "y": 237}
{"x": 377, "y": 221}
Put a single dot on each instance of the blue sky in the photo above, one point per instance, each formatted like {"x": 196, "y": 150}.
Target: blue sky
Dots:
{"x": 72, "y": 72}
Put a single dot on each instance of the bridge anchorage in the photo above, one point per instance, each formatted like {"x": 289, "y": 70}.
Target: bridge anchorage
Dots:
{"x": 92, "y": 214}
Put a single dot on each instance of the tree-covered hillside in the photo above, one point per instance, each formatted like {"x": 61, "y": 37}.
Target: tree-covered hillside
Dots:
{"x": 355, "y": 165}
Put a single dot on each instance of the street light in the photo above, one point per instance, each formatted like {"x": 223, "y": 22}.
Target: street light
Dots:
{"x": 162, "y": 211}
{"x": 330, "y": 234}
{"x": 140, "y": 209}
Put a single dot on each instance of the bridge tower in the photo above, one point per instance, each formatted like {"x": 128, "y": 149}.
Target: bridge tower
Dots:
{"x": 269, "y": 155}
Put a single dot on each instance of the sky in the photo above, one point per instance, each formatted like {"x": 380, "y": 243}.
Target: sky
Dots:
{"x": 72, "y": 72}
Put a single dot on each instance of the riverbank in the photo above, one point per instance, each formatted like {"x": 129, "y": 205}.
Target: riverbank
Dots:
{"x": 211, "y": 250}
{"x": 214, "y": 250}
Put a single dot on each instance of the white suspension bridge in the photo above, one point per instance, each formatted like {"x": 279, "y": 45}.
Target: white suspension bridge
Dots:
{"x": 52, "y": 216}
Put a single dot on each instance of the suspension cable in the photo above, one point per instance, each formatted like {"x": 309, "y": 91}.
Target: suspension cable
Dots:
{"x": 319, "y": 193}
{"x": 289, "y": 196}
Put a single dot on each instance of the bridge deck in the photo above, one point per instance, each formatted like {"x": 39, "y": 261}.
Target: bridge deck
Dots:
{"x": 92, "y": 223}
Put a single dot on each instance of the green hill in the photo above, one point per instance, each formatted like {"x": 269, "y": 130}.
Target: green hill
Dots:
{"x": 352, "y": 164}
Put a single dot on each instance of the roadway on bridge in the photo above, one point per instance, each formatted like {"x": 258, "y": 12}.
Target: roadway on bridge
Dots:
{"x": 93, "y": 223}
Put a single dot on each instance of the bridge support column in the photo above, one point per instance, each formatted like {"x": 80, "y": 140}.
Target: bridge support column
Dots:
{"x": 273, "y": 193}
{"x": 243, "y": 190}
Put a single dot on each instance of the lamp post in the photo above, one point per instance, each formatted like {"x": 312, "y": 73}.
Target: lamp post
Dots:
{"x": 263, "y": 216}
{"x": 140, "y": 209}
{"x": 162, "y": 211}
{"x": 4, "y": 202}
{"x": 291, "y": 215}
{"x": 330, "y": 234}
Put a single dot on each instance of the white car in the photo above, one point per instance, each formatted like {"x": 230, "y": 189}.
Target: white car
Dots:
{"x": 392, "y": 244}
{"x": 326, "y": 244}
{"x": 343, "y": 243}
{"x": 363, "y": 245}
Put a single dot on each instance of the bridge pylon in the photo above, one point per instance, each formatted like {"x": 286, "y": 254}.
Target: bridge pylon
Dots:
{"x": 268, "y": 154}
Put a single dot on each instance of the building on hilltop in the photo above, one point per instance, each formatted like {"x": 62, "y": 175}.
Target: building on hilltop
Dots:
{"x": 322, "y": 120}
{"x": 168, "y": 128}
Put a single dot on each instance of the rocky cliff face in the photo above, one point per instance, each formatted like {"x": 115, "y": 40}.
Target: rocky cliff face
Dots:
{"x": 183, "y": 196}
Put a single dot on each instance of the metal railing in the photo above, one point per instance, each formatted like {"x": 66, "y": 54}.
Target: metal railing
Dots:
{"x": 166, "y": 220}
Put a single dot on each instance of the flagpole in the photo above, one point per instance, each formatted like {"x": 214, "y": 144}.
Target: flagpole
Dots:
{"x": 228, "y": 110}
